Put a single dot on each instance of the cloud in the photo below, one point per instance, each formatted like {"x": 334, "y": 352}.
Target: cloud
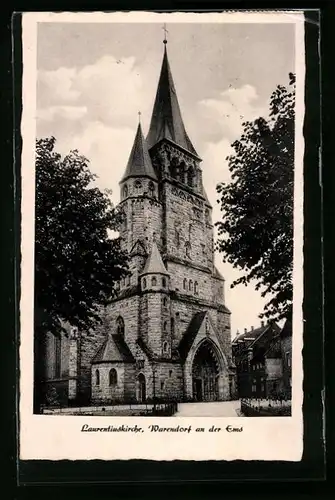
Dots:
{"x": 111, "y": 90}
{"x": 107, "y": 149}
{"x": 57, "y": 86}
{"x": 231, "y": 109}
{"x": 61, "y": 112}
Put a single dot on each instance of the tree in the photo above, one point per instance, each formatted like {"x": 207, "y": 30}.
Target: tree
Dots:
{"x": 77, "y": 264}
{"x": 256, "y": 231}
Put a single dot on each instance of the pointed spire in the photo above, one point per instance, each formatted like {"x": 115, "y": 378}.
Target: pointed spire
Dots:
{"x": 155, "y": 264}
{"x": 166, "y": 120}
{"x": 139, "y": 163}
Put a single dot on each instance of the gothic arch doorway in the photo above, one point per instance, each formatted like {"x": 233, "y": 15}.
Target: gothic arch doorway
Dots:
{"x": 141, "y": 388}
{"x": 205, "y": 373}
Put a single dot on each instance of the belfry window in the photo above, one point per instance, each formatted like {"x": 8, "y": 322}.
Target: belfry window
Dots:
{"x": 190, "y": 285}
{"x": 165, "y": 326}
{"x": 138, "y": 187}
{"x": 165, "y": 347}
{"x": 113, "y": 377}
{"x": 164, "y": 282}
{"x": 185, "y": 284}
{"x": 144, "y": 283}
{"x": 196, "y": 287}
{"x": 151, "y": 189}
{"x": 120, "y": 326}
{"x": 190, "y": 177}
{"x": 97, "y": 377}
{"x": 154, "y": 281}
{"x": 125, "y": 191}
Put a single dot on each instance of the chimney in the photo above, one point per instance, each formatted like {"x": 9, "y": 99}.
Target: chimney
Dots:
{"x": 252, "y": 328}
{"x": 245, "y": 330}
{"x": 262, "y": 323}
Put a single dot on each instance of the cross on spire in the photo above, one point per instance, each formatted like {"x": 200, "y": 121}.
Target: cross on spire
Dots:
{"x": 165, "y": 31}
{"x": 139, "y": 116}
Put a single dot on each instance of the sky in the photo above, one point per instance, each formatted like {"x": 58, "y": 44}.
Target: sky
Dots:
{"x": 93, "y": 79}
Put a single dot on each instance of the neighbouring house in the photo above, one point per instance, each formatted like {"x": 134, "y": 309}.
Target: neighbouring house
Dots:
{"x": 263, "y": 358}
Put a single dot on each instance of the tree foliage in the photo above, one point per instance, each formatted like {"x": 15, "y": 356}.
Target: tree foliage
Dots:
{"x": 256, "y": 230}
{"x": 76, "y": 262}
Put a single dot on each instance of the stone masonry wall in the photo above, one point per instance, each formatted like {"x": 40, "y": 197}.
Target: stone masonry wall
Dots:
{"x": 186, "y": 224}
{"x": 103, "y": 391}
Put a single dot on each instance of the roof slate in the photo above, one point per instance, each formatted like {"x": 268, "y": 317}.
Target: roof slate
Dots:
{"x": 154, "y": 263}
{"x": 114, "y": 349}
{"x": 166, "y": 120}
{"x": 139, "y": 163}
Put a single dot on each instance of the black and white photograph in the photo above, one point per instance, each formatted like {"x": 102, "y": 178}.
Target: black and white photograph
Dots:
{"x": 165, "y": 221}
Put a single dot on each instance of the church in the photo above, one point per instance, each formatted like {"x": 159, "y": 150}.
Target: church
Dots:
{"x": 166, "y": 335}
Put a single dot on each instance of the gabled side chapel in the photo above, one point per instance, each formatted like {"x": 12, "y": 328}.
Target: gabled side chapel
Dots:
{"x": 167, "y": 333}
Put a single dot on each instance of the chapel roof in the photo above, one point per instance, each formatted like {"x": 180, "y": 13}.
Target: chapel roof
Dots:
{"x": 139, "y": 163}
{"x": 166, "y": 120}
{"x": 154, "y": 263}
{"x": 114, "y": 349}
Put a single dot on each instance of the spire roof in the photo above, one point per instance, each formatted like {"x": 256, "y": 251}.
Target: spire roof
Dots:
{"x": 166, "y": 120}
{"x": 154, "y": 263}
{"x": 139, "y": 163}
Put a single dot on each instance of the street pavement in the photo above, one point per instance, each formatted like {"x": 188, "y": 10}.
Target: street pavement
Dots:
{"x": 216, "y": 409}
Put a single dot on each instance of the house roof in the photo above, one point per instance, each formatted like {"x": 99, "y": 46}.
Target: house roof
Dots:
{"x": 154, "y": 263}
{"x": 139, "y": 163}
{"x": 166, "y": 121}
{"x": 287, "y": 328}
{"x": 114, "y": 349}
{"x": 190, "y": 334}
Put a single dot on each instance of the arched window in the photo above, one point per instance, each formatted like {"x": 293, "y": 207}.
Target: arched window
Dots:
{"x": 138, "y": 187}
{"x": 120, "y": 326}
{"x": 113, "y": 377}
{"x": 190, "y": 285}
{"x": 154, "y": 281}
{"x": 196, "y": 287}
{"x": 144, "y": 283}
{"x": 172, "y": 326}
{"x": 165, "y": 347}
{"x": 163, "y": 282}
{"x": 125, "y": 191}
{"x": 165, "y": 302}
{"x": 151, "y": 189}
{"x": 177, "y": 236}
{"x": 190, "y": 177}
{"x": 185, "y": 284}
{"x": 123, "y": 281}
{"x": 188, "y": 249}
{"x": 207, "y": 215}
{"x": 165, "y": 326}
{"x": 97, "y": 377}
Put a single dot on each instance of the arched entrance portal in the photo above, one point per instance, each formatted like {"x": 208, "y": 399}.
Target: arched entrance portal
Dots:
{"x": 141, "y": 388}
{"x": 205, "y": 373}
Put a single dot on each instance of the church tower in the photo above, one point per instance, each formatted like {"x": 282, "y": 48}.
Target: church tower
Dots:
{"x": 169, "y": 328}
